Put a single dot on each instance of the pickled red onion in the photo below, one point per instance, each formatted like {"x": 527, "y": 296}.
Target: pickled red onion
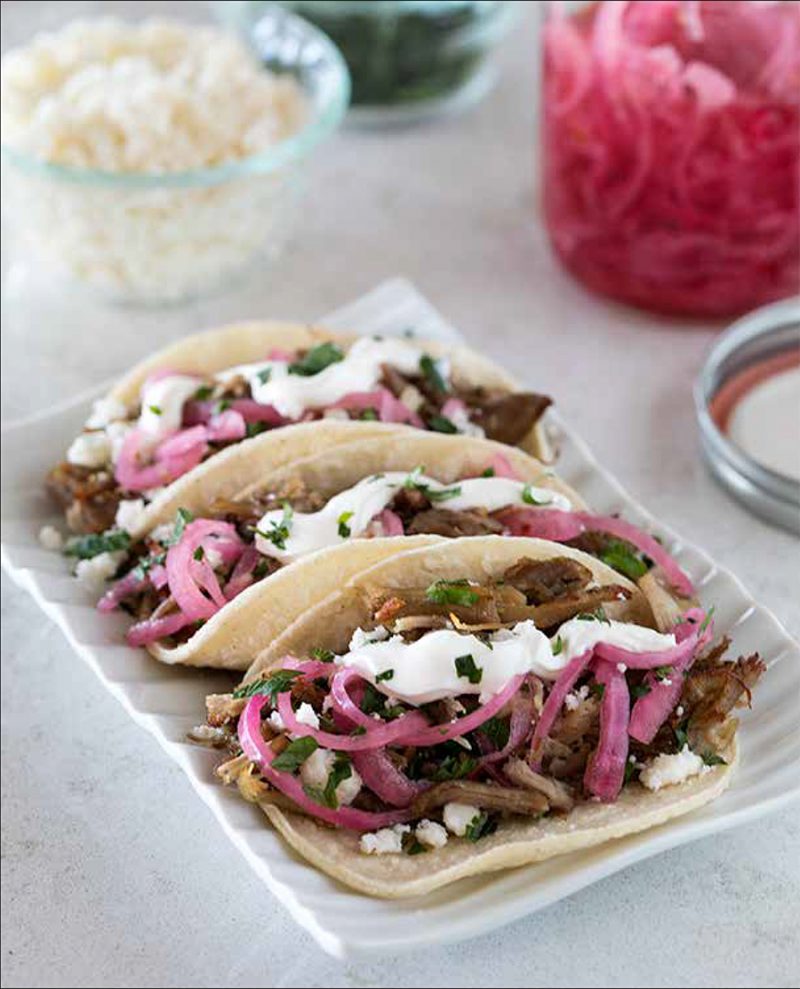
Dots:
{"x": 124, "y": 587}
{"x": 386, "y": 781}
{"x": 390, "y": 522}
{"x": 152, "y": 629}
{"x": 605, "y": 770}
{"x": 555, "y": 701}
{"x": 387, "y": 407}
{"x": 185, "y": 573}
{"x": 257, "y": 750}
{"x": 166, "y": 467}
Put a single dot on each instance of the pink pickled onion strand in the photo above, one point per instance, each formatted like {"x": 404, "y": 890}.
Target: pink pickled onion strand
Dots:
{"x": 342, "y": 702}
{"x": 242, "y": 576}
{"x": 131, "y": 476}
{"x": 390, "y": 522}
{"x": 605, "y": 770}
{"x": 386, "y": 781}
{"x": 308, "y": 667}
{"x": 252, "y": 411}
{"x": 676, "y": 654}
{"x": 152, "y": 629}
{"x": 454, "y": 407}
{"x": 387, "y": 407}
{"x": 124, "y": 587}
{"x": 257, "y": 750}
{"x": 226, "y": 426}
{"x": 158, "y": 576}
{"x": 518, "y": 729}
{"x": 552, "y": 706}
{"x": 542, "y": 523}
{"x": 501, "y": 466}
{"x": 202, "y": 573}
{"x": 436, "y": 734}
{"x": 561, "y": 526}
{"x": 652, "y": 710}
{"x": 183, "y": 576}
{"x": 182, "y": 442}
{"x": 644, "y": 543}
{"x": 380, "y": 734}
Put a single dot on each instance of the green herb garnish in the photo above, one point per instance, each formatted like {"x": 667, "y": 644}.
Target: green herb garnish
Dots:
{"x": 530, "y": 498}
{"x": 95, "y": 543}
{"x": 598, "y": 615}
{"x": 480, "y": 826}
{"x": 343, "y": 527}
{"x": 340, "y": 770}
{"x": 294, "y": 755}
{"x": 386, "y": 675}
{"x": 264, "y": 375}
{"x": 620, "y": 557}
{"x": 433, "y": 376}
{"x": 712, "y": 759}
{"x": 558, "y": 646}
{"x": 415, "y": 847}
{"x": 254, "y": 428}
{"x": 155, "y": 409}
{"x": 681, "y": 733}
{"x": 369, "y": 414}
{"x": 182, "y": 518}
{"x": 454, "y": 767}
{"x": 456, "y": 592}
{"x": 278, "y": 532}
{"x": 148, "y": 563}
{"x": 639, "y": 690}
{"x": 270, "y": 686}
{"x": 441, "y": 424}
{"x": 203, "y": 393}
{"x": 316, "y": 360}
{"x": 261, "y": 569}
{"x": 323, "y": 655}
{"x": 662, "y": 672}
{"x": 597, "y": 690}
{"x": 707, "y": 620}
{"x": 489, "y": 472}
{"x": 465, "y": 667}
{"x": 199, "y": 553}
{"x": 497, "y": 730}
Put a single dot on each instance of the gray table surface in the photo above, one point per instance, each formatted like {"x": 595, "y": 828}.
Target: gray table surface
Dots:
{"x": 113, "y": 872}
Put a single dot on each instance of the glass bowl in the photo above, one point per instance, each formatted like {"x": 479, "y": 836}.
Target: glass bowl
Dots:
{"x": 408, "y": 59}
{"x": 156, "y": 238}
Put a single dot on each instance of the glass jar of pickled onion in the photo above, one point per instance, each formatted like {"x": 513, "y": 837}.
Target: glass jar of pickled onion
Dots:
{"x": 671, "y": 150}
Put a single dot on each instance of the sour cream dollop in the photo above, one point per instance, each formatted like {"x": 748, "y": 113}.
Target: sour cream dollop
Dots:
{"x": 428, "y": 669}
{"x": 163, "y": 401}
{"x": 348, "y": 514}
{"x": 271, "y": 382}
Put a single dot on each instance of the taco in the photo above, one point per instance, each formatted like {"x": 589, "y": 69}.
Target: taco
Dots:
{"x": 209, "y": 391}
{"x": 210, "y": 577}
{"x": 468, "y": 707}
{"x": 211, "y": 583}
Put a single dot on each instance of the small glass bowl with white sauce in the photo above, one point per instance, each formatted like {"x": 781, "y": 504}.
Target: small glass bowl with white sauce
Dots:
{"x": 747, "y": 399}
{"x": 140, "y": 225}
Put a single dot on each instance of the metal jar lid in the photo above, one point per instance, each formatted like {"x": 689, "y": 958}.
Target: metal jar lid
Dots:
{"x": 760, "y": 336}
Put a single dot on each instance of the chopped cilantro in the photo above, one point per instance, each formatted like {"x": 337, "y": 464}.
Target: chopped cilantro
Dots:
{"x": 707, "y": 620}
{"x": 480, "y": 826}
{"x": 630, "y": 771}
{"x": 489, "y": 472}
{"x": 386, "y": 675}
{"x": 712, "y": 759}
{"x": 681, "y": 732}
{"x": 445, "y": 494}
{"x": 639, "y": 690}
{"x": 530, "y": 498}
{"x": 598, "y": 615}
{"x": 415, "y": 847}
{"x": 182, "y": 518}
{"x": 341, "y": 770}
{"x": 254, "y": 428}
{"x": 662, "y": 672}
{"x": 264, "y": 375}
{"x": 270, "y": 685}
{"x": 278, "y": 532}
{"x": 497, "y": 731}
{"x": 369, "y": 414}
{"x": 323, "y": 655}
{"x": 621, "y": 557}
{"x": 433, "y": 376}
{"x": 374, "y": 702}
{"x": 203, "y": 393}
{"x": 155, "y": 409}
{"x": 86, "y": 547}
{"x": 295, "y": 754}
{"x": 223, "y": 405}
{"x": 558, "y": 646}
{"x": 343, "y": 527}
{"x": 199, "y": 553}
{"x": 441, "y": 424}
{"x": 317, "y": 359}
{"x": 465, "y": 667}
{"x": 598, "y": 689}
{"x": 456, "y": 592}
{"x": 143, "y": 566}
{"x": 454, "y": 767}
{"x": 261, "y": 569}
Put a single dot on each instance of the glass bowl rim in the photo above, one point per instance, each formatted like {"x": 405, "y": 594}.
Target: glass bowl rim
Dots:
{"x": 324, "y": 119}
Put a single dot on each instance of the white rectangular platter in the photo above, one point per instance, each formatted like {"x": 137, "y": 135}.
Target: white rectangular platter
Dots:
{"x": 169, "y": 701}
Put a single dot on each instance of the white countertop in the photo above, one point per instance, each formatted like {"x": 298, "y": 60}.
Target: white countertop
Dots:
{"x": 113, "y": 872}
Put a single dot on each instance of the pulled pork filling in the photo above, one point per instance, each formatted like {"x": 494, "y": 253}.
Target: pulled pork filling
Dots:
{"x": 91, "y": 483}
{"x": 341, "y": 740}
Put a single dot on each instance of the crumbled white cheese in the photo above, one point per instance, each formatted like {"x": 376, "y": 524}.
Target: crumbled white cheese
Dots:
{"x": 163, "y": 533}
{"x": 99, "y": 568}
{"x": 335, "y": 414}
{"x": 431, "y": 834}
{"x": 90, "y": 450}
{"x": 621, "y": 667}
{"x": 129, "y": 514}
{"x": 573, "y": 699}
{"x": 213, "y": 557}
{"x": 306, "y": 715}
{"x": 667, "y": 770}
{"x": 412, "y": 398}
{"x": 51, "y": 538}
{"x": 679, "y": 711}
{"x": 458, "y": 817}
{"x": 117, "y": 433}
{"x": 275, "y": 721}
{"x": 105, "y": 411}
{"x": 386, "y": 841}
{"x": 461, "y": 420}
{"x": 315, "y": 771}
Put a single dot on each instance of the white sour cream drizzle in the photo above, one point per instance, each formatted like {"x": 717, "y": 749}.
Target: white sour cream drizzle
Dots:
{"x": 353, "y": 509}
{"x": 291, "y": 394}
{"x": 425, "y": 670}
{"x": 163, "y": 401}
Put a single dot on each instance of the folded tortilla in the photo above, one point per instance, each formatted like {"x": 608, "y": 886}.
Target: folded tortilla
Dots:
{"x": 250, "y": 621}
{"x": 517, "y": 841}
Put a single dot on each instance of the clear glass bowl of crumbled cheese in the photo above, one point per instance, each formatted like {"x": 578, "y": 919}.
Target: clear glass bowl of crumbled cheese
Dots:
{"x": 154, "y": 161}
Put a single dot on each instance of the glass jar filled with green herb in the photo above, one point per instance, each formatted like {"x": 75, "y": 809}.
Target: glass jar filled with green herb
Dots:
{"x": 407, "y": 59}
